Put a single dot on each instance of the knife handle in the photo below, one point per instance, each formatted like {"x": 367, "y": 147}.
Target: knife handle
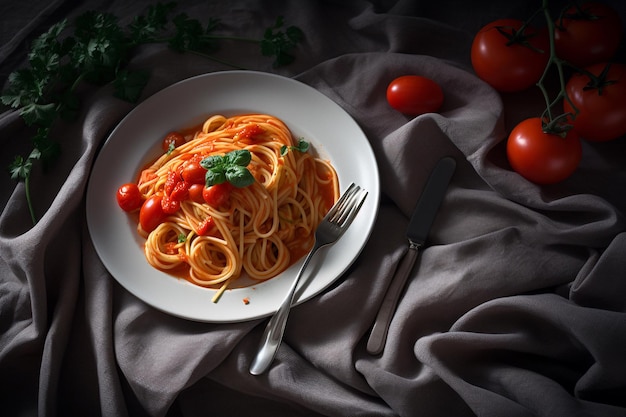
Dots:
{"x": 378, "y": 336}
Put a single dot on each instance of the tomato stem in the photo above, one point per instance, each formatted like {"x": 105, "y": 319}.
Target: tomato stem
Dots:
{"x": 561, "y": 123}
{"x": 551, "y": 124}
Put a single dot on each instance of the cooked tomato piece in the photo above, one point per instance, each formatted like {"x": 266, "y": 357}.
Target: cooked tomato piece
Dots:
{"x": 205, "y": 227}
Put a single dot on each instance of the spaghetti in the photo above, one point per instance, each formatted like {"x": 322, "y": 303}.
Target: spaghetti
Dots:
{"x": 259, "y": 229}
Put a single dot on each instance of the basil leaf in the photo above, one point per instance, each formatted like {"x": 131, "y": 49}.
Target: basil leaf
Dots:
{"x": 239, "y": 176}
{"x": 214, "y": 176}
{"x": 241, "y": 157}
{"x": 212, "y": 161}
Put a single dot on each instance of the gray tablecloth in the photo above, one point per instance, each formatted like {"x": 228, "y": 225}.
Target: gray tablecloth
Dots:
{"x": 516, "y": 306}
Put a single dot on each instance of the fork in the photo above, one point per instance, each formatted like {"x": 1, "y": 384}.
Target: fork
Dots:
{"x": 332, "y": 226}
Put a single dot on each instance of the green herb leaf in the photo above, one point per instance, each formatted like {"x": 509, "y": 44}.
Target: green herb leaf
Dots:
{"x": 231, "y": 167}
{"x": 215, "y": 176}
{"x": 129, "y": 84}
{"x": 239, "y": 176}
{"x": 241, "y": 157}
{"x": 20, "y": 168}
{"x": 188, "y": 33}
{"x": 277, "y": 43}
{"x": 147, "y": 28}
{"x": 301, "y": 146}
{"x": 41, "y": 114}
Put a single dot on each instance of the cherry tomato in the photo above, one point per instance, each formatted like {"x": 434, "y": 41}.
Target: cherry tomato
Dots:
{"x": 587, "y": 34}
{"x": 172, "y": 140}
{"x": 507, "y": 64}
{"x": 414, "y": 95}
{"x": 195, "y": 193}
{"x": 540, "y": 157}
{"x": 601, "y": 109}
{"x": 129, "y": 197}
{"x": 218, "y": 194}
{"x": 151, "y": 213}
{"x": 194, "y": 173}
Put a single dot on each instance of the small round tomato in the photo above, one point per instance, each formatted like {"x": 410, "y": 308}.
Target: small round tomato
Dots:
{"x": 194, "y": 173}
{"x": 509, "y": 59}
{"x": 218, "y": 194}
{"x": 151, "y": 213}
{"x": 129, "y": 197}
{"x": 172, "y": 140}
{"x": 601, "y": 108}
{"x": 587, "y": 34}
{"x": 414, "y": 95}
{"x": 195, "y": 193}
{"x": 540, "y": 157}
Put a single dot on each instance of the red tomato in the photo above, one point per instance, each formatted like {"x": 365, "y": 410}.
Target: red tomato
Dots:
{"x": 205, "y": 226}
{"x": 129, "y": 197}
{"x": 195, "y": 193}
{"x": 542, "y": 158}
{"x": 151, "y": 213}
{"x": 170, "y": 182}
{"x": 601, "y": 109}
{"x": 180, "y": 191}
{"x": 194, "y": 173}
{"x": 218, "y": 194}
{"x": 414, "y": 95}
{"x": 172, "y": 140}
{"x": 169, "y": 205}
{"x": 587, "y": 34}
{"x": 506, "y": 64}
{"x": 250, "y": 131}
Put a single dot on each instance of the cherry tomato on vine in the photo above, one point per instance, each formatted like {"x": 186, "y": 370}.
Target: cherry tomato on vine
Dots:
{"x": 414, "y": 95}
{"x": 151, "y": 213}
{"x": 602, "y": 108}
{"x": 172, "y": 140}
{"x": 587, "y": 34}
{"x": 542, "y": 158}
{"x": 507, "y": 58}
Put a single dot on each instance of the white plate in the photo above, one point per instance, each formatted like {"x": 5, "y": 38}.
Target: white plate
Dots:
{"x": 136, "y": 140}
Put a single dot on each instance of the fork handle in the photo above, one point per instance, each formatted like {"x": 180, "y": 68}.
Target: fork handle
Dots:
{"x": 275, "y": 329}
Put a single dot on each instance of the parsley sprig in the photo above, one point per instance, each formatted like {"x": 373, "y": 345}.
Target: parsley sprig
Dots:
{"x": 96, "y": 49}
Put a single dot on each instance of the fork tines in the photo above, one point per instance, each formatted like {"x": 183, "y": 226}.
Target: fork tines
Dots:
{"x": 344, "y": 210}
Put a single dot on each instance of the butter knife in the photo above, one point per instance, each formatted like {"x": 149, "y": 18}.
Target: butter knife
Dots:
{"x": 423, "y": 216}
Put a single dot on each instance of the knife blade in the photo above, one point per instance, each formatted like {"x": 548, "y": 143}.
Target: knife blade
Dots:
{"x": 421, "y": 220}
